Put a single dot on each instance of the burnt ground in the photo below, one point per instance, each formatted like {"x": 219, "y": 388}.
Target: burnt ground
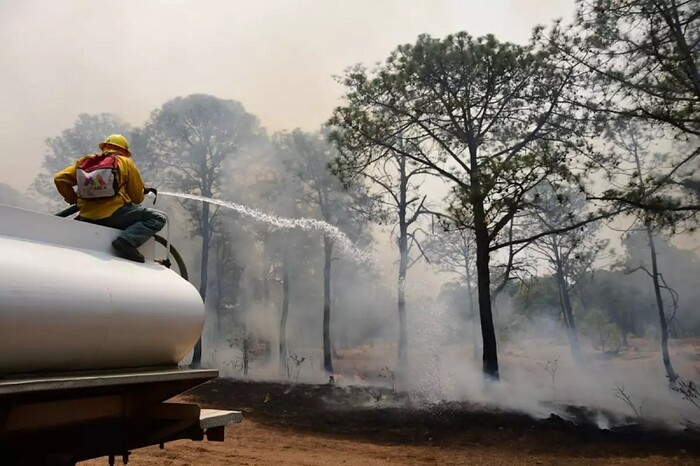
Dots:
{"x": 320, "y": 425}
{"x": 356, "y": 426}
{"x": 358, "y": 412}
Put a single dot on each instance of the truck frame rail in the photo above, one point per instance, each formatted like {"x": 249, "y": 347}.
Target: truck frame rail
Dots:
{"x": 61, "y": 419}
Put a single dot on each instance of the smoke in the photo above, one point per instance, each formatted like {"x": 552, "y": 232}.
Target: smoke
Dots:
{"x": 63, "y": 59}
{"x": 60, "y": 60}
{"x": 539, "y": 376}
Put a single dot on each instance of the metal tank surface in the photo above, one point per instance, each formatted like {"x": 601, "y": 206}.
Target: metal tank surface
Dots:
{"x": 67, "y": 303}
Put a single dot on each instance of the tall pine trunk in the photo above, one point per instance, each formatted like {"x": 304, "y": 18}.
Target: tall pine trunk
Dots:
{"x": 203, "y": 281}
{"x": 266, "y": 282}
{"x": 283, "y": 354}
{"x": 220, "y": 264}
{"x": 403, "y": 268}
{"x": 566, "y": 308}
{"x": 483, "y": 273}
{"x": 327, "y": 355}
{"x": 483, "y": 277}
{"x": 403, "y": 336}
{"x": 472, "y": 308}
{"x": 665, "y": 356}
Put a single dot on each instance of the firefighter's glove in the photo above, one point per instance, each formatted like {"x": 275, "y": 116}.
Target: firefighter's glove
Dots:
{"x": 151, "y": 190}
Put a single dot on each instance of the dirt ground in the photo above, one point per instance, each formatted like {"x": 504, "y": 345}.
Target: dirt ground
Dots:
{"x": 312, "y": 425}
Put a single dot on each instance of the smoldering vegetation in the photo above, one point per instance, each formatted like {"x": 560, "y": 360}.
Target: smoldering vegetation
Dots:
{"x": 532, "y": 231}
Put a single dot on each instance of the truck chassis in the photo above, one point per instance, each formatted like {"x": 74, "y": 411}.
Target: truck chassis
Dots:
{"x": 60, "y": 419}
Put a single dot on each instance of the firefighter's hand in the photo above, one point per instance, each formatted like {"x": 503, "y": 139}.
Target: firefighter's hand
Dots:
{"x": 151, "y": 190}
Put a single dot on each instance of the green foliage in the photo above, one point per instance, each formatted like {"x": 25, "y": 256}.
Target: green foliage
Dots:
{"x": 621, "y": 298}
{"x": 477, "y": 112}
{"x": 191, "y": 143}
{"x": 191, "y": 139}
{"x": 493, "y": 119}
{"x": 660, "y": 188}
{"x": 641, "y": 60}
{"x": 645, "y": 58}
{"x": 604, "y": 335}
{"x": 538, "y": 297}
{"x": 573, "y": 252}
{"x": 307, "y": 159}
{"x": 678, "y": 270}
{"x": 455, "y": 297}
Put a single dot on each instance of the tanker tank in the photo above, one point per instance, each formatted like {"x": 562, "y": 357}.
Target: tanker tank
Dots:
{"x": 67, "y": 303}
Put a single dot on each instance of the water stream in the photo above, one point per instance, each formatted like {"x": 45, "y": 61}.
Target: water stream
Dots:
{"x": 345, "y": 245}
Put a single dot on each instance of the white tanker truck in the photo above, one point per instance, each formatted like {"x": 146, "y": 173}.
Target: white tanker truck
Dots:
{"x": 90, "y": 346}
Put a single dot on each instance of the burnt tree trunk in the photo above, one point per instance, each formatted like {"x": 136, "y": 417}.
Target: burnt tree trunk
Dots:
{"x": 483, "y": 276}
{"x": 219, "y": 290}
{"x": 266, "y": 282}
{"x": 222, "y": 260}
{"x": 566, "y": 308}
{"x": 403, "y": 268}
{"x": 283, "y": 363}
{"x": 403, "y": 334}
{"x": 327, "y": 355}
{"x": 472, "y": 308}
{"x": 203, "y": 280}
{"x": 670, "y": 373}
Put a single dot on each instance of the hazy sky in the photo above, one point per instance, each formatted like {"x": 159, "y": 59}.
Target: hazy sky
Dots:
{"x": 62, "y": 58}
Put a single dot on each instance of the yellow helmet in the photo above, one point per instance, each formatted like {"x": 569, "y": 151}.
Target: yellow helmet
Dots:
{"x": 116, "y": 140}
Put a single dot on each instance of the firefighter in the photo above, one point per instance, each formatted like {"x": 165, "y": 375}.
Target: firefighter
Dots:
{"x": 108, "y": 189}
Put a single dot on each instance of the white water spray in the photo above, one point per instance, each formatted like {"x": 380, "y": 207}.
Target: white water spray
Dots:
{"x": 307, "y": 224}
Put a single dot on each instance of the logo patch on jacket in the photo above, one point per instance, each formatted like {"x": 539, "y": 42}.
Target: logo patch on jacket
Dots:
{"x": 97, "y": 177}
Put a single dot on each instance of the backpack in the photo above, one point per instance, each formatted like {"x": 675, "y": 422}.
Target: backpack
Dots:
{"x": 98, "y": 177}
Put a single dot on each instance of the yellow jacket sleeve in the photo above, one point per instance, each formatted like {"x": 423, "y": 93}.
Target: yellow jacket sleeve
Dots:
{"x": 64, "y": 181}
{"x": 134, "y": 183}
